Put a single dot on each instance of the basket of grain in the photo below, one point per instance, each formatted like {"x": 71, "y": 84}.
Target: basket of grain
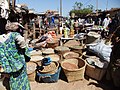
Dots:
{"x": 31, "y": 67}
{"x": 35, "y": 53}
{"x": 53, "y": 43}
{"x": 70, "y": 54}
{"x": 77, "y": 48}
{"x": 49, "y": 69}
{"x": 94, "y": 71}
{"x": 74, "y": 69}
{"x": 62, "y": 49}
{"x": 54, "y": 57}
{"x": 36, "y": 58}
{"x": 92, "y": 37}
{"x": 48, "y": 51}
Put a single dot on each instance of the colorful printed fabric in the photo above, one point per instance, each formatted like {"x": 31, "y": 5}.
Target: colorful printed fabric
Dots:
{"x": 13, "y": 62}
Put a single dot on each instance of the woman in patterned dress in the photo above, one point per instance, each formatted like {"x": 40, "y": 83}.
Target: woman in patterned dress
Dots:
{"x": 12, "y": 58}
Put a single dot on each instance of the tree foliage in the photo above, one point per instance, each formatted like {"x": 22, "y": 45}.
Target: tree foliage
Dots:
{"x": 80, "y": 11}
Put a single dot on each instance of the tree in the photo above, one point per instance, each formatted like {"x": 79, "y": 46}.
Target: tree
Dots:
{"x": 78, "y": 5}
{"x": 80, "y": 11}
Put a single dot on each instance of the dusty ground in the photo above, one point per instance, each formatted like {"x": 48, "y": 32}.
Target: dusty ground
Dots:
{"x": 62, "y": 84}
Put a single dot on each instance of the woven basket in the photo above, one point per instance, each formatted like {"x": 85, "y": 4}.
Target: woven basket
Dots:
{"x": 31, "y": 67}
{"x": 49, "y": 69}
{"x": 62, "y": 49}
{"x": 77, "y": 48}
{"x": 48, "y": 51}
{"x": 92, "y": 37}
{"x": 53, "y": 44}
{"x": 70, "y": 54}
{"x": 74, "y": 74}
{"x": 35, "y": 53}
{"x": 94, "y": 72}
{"x": 54, "y": 57}
{"x": 36, "y": 58}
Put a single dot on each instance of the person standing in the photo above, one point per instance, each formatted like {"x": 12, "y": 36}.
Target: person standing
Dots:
{"x": 106, "y": 21}
{"x": 13, "y": 55}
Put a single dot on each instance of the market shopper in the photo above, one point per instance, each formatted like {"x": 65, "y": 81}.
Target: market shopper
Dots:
{"x": 13, "y": 53}
{"x": 106, "y": 22}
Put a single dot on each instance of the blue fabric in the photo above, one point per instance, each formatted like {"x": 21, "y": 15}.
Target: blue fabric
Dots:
{"x": 13, "y": 63}
{"x": 46, "y": 61}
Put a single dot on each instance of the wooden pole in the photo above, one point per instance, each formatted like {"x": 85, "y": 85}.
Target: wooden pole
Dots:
{"x": 26, "y": 32}
{"x": 13, "y": 3}
{"x": 9, "y": 3}
{"x": 96, "y": 7}
{"x": 34, "y": 33}
{"x": 106, "y": 5}
{"x": 60, "y": 7}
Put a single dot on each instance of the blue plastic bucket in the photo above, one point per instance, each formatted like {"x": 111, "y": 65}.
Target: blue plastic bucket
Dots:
{"x": 48, "y": 78}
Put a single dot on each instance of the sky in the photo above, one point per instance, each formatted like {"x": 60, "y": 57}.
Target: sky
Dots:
{"x": 67, "y": 5}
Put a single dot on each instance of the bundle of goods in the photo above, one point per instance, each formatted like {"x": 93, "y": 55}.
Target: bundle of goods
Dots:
{"x": 74, "y": 69}
{"x": 48, "y": 71}
{"x": 53, "y": 34}
{"x": 102, "y": 50}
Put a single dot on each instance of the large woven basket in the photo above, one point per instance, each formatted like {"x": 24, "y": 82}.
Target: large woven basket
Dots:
{"x": 49, "y": 69}
{"x": 70, "y": 54}
{"x": 31, "y": 67}
{"x": 92, "y": 37}
{"x": 61, "y": 49}
{"x": 94, "y": 72}
{"x": 54, "y": 57}
{"x": 53, "y": 43}
{"x": 48, "y": 51}
{"x": 77, "y": 48}
{"x": 35, "y": 53}
{"x": 74, "y": 73}
{"x": 36, "y": 58}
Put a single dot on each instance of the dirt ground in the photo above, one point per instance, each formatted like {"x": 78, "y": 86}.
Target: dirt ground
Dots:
{"x": 62, "y": 84}
{"x": 85, "y": 84}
